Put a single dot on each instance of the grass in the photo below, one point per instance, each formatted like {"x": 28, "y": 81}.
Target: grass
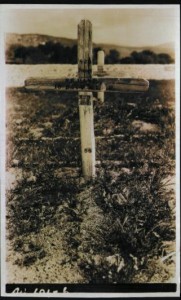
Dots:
{"x": 118, "y": 227}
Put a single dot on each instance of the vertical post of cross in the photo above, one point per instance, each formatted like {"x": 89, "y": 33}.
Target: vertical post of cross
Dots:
{"x": 86, "y": 99}
{"x": 87, "y": 134}
{"x": 85, "y": 49}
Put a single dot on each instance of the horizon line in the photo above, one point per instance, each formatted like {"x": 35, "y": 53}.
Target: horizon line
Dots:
{"x": 102, "y": 43}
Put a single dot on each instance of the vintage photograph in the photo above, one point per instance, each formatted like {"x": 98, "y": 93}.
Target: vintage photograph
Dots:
{"x": 90, "y": 191}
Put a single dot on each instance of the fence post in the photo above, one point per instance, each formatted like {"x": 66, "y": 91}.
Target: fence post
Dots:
{"x": 86, "y": 99}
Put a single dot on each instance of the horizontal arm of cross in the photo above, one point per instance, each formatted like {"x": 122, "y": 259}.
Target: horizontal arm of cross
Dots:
{"x": 125, "y": 85}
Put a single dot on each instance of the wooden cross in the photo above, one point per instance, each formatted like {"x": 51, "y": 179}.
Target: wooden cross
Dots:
{"x": 86, "y": 99}
{"x": 85, "y": 84}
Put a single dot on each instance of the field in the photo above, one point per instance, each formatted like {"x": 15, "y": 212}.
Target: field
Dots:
{"x": 118, "y": 228}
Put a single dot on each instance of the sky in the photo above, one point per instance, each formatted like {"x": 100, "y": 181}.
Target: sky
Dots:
{"x": 133, "y": 26}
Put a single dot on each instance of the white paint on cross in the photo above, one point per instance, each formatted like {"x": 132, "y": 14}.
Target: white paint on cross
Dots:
{"x": 87, "y": 134}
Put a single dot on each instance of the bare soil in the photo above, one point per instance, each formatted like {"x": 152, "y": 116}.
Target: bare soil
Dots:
{"x": 117, "y": 228}
{"x": 16, "y": 74}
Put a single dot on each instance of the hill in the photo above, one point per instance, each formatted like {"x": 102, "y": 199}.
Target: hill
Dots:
{"x": 34, "y": 40}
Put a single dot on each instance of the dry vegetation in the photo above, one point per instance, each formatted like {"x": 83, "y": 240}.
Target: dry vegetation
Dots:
{"x": 118, "y": 228}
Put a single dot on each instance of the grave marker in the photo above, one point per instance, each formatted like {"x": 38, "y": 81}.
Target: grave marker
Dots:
{"x": 85, "y": 85}
{"x": 86, "y": 99}
{"x": 100, "y": 72}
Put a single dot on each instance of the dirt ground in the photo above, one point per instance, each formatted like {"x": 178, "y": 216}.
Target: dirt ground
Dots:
{"x": 16, "y": 75}
{"x": 118, "y": 228}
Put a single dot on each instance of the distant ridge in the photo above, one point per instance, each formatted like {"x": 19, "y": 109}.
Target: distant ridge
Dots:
{"x": 34, "y": 40}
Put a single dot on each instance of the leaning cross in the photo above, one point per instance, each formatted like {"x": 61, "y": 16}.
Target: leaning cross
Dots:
{"x": 85, "y": 84}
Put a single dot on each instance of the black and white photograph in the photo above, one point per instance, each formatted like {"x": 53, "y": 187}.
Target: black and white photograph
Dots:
{"x": 90, "y": 150}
